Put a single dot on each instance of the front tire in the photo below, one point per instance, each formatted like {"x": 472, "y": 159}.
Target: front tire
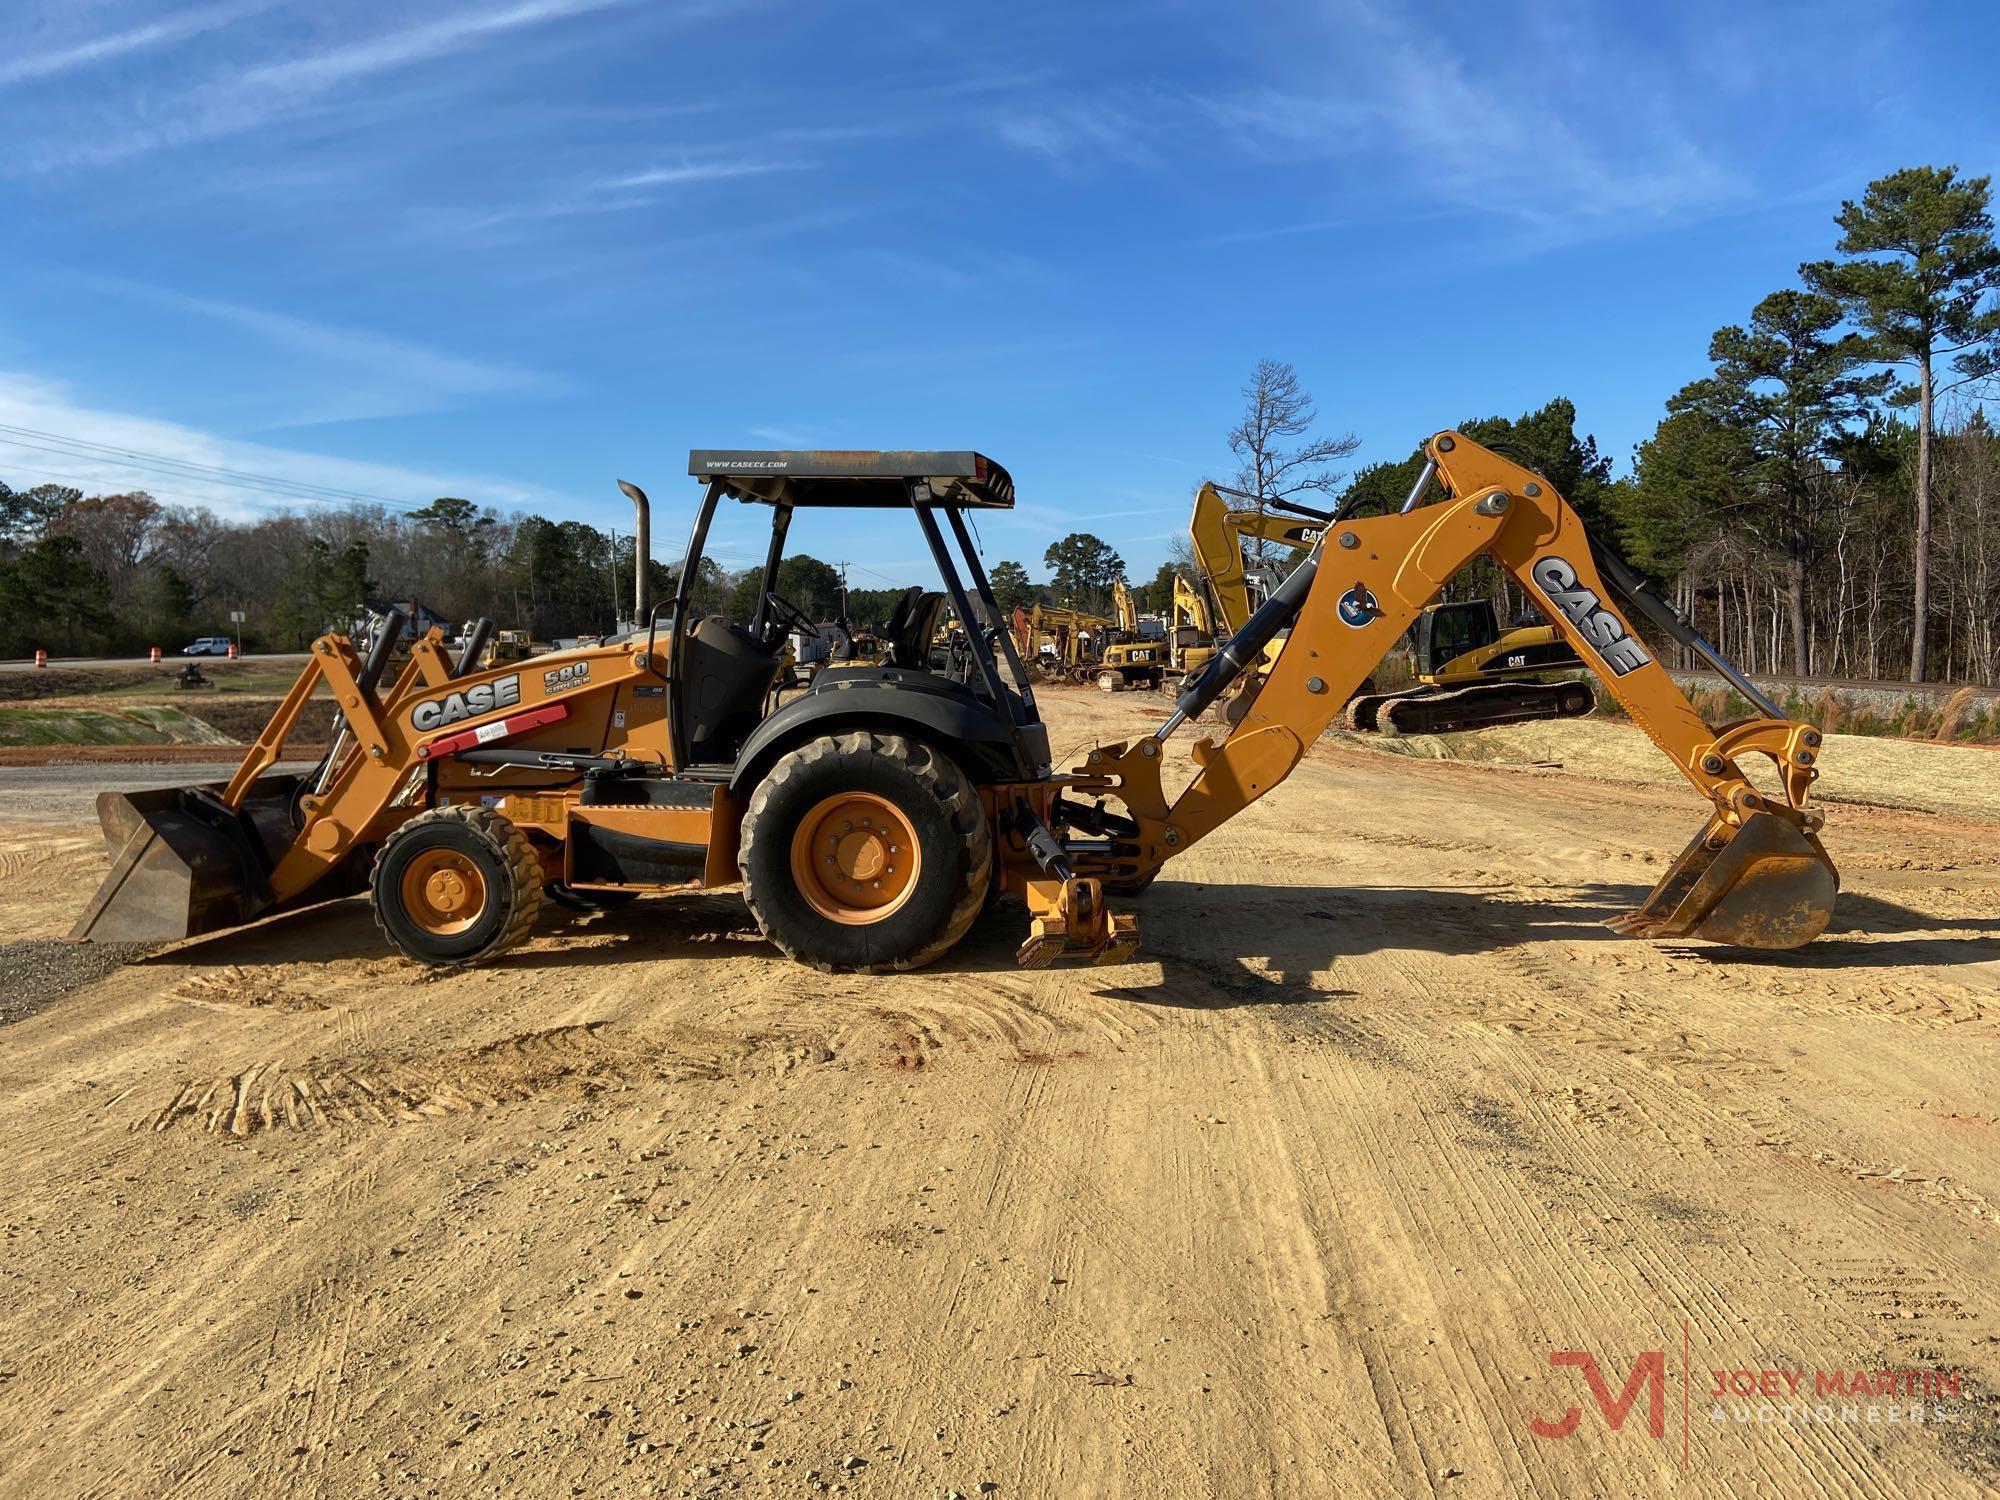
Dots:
{"x": 865, "y": 852}
{"x": 456, "y": 886}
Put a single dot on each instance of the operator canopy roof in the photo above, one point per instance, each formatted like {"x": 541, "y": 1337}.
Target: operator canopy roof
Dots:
{"x": 823, "y": 477}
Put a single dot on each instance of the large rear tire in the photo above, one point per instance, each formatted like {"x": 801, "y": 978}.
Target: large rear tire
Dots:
{"x": 456, "y": 886}
{"x": 865, "y": 852}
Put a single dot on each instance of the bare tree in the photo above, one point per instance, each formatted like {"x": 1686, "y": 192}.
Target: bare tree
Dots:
{"x": 1276, "y": 410}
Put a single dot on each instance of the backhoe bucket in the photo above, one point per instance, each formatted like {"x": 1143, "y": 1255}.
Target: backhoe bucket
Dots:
{"x": 1766, "y": 884}
{"x": 184, "y": 863}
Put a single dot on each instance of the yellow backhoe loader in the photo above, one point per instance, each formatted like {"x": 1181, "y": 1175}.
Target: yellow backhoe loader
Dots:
{"x": 869, "y": 816}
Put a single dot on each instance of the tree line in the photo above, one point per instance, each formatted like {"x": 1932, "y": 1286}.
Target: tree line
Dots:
{"x": 1826, "y": 501}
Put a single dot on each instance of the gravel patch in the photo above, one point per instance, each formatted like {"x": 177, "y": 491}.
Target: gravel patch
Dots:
{"x": 40, "y": 970}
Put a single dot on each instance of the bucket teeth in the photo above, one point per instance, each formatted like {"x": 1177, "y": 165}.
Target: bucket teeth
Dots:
{"x": 1764, "y": 884}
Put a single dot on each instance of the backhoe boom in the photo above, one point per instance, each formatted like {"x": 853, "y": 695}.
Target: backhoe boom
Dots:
{"x": 1755, "y": 876}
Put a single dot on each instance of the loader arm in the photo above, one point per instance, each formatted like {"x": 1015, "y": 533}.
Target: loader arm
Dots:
{"x": 1755, "y": 875}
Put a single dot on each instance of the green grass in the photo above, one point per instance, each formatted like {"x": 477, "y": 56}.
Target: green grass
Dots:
{"x": 152, "y": 725}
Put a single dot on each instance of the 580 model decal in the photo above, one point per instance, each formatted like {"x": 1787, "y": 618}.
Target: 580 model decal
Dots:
{"x": 1599, "y": 626}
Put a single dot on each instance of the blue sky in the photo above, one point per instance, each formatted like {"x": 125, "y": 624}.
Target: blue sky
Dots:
{"x": 513, "y": 249}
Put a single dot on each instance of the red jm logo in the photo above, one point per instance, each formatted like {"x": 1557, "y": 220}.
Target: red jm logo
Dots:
{"x": 1649, "y": 1374}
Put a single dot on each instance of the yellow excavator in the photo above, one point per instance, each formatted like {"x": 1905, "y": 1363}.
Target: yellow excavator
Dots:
{"x": 1191, "y": 636}
{"x": 868, "y": 817}
{"x": 1473, "y": 675}
{"x": 1470, "y": 674}
{"x": 1063, "y": 645}
{"x": 1133, "y": 659}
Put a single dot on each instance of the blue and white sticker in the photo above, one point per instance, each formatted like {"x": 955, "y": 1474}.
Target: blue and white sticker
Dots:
{"x": 1358, "y": 606}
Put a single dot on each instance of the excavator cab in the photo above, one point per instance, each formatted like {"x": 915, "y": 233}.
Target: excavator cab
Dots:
{"x": 1446, "y": 632}
{"x": 1462, "y": 642}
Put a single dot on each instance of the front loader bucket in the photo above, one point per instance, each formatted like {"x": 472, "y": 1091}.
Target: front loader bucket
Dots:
{"x": 1766, "y": 884}
{"x": 184, "y": 863}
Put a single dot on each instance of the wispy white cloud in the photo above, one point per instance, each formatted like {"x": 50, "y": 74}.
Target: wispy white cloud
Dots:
{"x": 43, "y": 406}
{"x": 346, "y": 374}
{"x": 694, "y": 171}
{"x": 246, "y": 101}
{"x": 400, "y": 49}
{"x": 53, "y": 63}
{"x": 1538, "y": 156}
{"x": 1375, "y": 87}
{"x": 1065, "y": 130}
{"x": 608, "y": 195}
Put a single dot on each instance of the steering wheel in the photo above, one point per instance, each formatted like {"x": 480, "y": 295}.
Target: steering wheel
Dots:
{"x": 790, "y": 611}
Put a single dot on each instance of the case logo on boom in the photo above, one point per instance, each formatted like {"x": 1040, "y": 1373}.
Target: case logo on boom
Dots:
{"x": 504, "y": 692}
{"x": 1598, "y": 625}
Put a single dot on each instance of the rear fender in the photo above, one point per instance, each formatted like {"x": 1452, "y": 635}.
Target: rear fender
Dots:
{"x": 889, "y": 701}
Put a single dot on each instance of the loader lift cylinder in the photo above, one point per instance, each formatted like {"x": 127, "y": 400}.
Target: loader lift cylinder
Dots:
{"x": 468, "y": 659}
{"x": 387, "y": 634}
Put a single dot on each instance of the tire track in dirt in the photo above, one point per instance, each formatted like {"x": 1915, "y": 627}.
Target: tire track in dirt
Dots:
{"x": 267, "y": 1095}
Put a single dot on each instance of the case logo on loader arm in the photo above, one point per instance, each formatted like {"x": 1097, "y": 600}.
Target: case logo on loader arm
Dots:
{"x": 1604, "y": 630}
{"x": 503, "y": 692}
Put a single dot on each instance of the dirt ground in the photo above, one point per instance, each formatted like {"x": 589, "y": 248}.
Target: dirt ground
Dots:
{"x": 1301, "y": 1202}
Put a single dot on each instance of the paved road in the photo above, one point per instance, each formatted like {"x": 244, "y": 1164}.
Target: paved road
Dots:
{"x": 68, "y": 793}
{"x": 137, "y": 661}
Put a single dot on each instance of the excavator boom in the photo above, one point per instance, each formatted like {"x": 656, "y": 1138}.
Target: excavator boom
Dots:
{"x": 1755, "y": 875}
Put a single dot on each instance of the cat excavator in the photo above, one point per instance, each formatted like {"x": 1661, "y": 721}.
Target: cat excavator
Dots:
{"x": 868, "y": 817}
{"x": 1134, "y": 659}
{"x": 1470, "y": 674}
{"x": 1191, "y": 637}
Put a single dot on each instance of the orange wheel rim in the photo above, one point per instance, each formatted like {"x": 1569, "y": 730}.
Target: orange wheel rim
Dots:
{"x": 854, "y": 858}
{"x": 443, "y": 891}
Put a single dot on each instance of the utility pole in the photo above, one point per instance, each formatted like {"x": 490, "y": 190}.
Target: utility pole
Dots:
{"x": 613, "y": 570}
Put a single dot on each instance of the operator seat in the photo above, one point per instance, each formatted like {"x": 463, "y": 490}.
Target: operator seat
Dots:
{"x": 899, "y": 617}
{"x": 724, "y": 678}
{"x": 911, "y": 646}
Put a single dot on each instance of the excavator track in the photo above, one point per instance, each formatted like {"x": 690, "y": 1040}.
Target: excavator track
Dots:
{"x": 1486, "y": 706}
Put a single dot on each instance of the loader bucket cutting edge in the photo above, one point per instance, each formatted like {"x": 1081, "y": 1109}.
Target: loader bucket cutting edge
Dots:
{"x": 183, "y": 863}
{"x": 1765, "y": 884}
